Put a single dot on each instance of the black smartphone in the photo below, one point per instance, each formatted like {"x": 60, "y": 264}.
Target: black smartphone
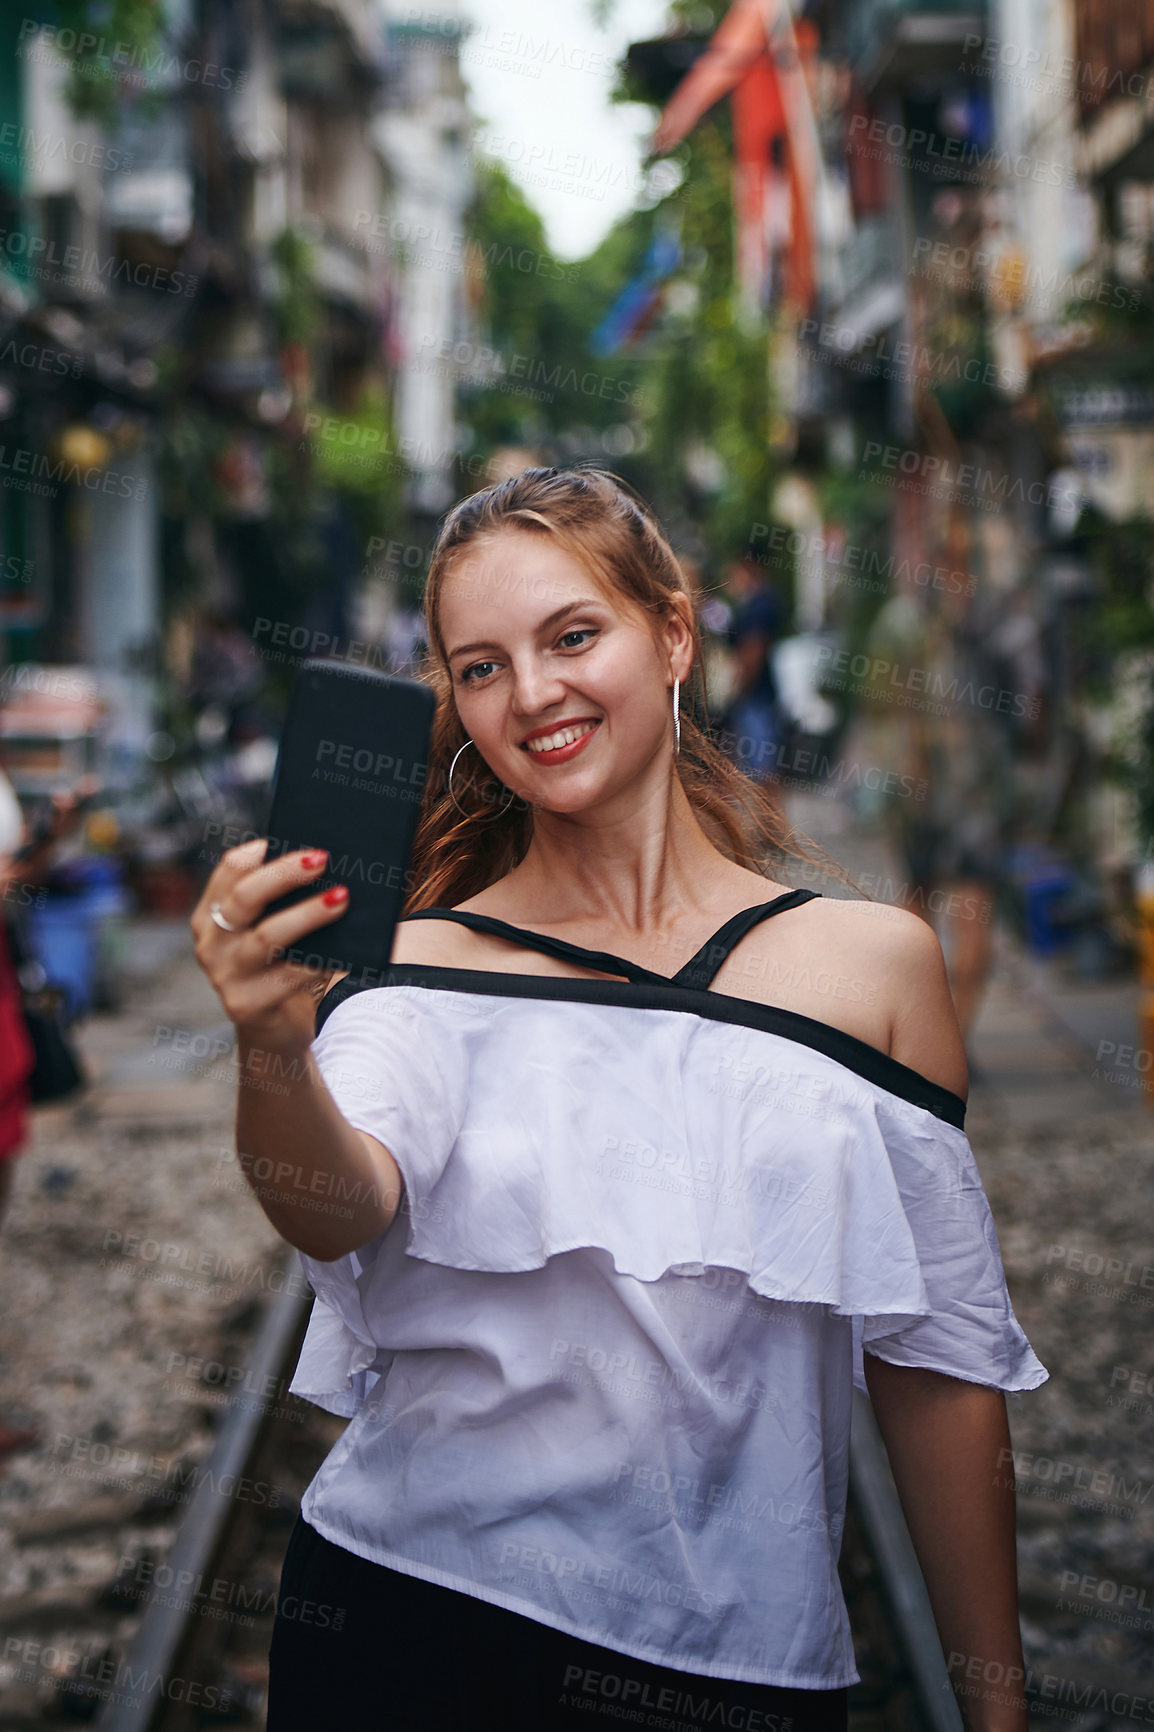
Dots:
{"x": 351, "y": 771}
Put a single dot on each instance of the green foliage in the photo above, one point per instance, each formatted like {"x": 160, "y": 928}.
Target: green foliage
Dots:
{"x": 295, "y": 518}
{"x": 693, "y": 385}
{"x": 1122, "y": 628}
{"x": 190, "y": 444}
{"x": 512, "y": 258}
{"x": 1120, "y": 316}
{"x": 537, "y": 314}
{"x": 296, "y": 305}
{"x": 699, "y": 16}
{"x": 864, "y": 511}
{"x": 958, "y": 340}
{"x": 1122, "y": 557}
{"x": 706, "y": 384}
{"x": 353, "y": 455}
{"x": 94, "y": 82}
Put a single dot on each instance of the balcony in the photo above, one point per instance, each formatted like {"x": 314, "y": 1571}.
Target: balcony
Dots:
{"x": 891, "y": 41}
{"x": 868, "y": 289}
{"x": 344, "y": 272}
{"x": 1113, "y": 40}
{"x": 329, "y": 53}
{"x": 1114, "y": 45}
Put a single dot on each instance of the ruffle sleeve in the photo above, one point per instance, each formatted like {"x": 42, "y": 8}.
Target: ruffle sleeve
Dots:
{"x": 336, "y": 1368}
{"x": 674, "y": 1144}
{"x": 970, "y": 1330}
{"x": 378, "y": 1056}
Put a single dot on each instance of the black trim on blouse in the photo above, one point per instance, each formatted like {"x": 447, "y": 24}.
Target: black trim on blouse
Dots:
{"x": 643, "y": 990}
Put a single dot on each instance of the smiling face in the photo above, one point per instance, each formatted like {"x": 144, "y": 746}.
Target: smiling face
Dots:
{"x": 564, "y": 689}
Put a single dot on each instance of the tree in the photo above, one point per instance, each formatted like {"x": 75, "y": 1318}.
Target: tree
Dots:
{"x": 683, "y": 407}
{"x": 533, "y": 379}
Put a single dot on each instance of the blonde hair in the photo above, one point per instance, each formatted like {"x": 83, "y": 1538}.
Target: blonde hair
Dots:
{"x": 594, "y": 518}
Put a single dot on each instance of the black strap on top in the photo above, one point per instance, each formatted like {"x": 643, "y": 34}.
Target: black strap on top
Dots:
{"x": 599, "y": 959}
{"x": 697, "y": 972}
{"x": 700, "y": 970}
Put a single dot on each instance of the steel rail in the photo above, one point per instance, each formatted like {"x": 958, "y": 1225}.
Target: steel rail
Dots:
{"x": 155, "y": 1650}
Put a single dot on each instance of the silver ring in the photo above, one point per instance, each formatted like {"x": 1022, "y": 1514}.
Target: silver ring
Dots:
{"x": 218, "y": 917}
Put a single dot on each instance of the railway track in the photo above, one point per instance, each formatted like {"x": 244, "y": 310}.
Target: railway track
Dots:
{"x": 179, "y": 1640}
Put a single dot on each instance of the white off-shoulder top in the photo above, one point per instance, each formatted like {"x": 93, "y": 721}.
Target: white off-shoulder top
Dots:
{"x": 599, "y": 1368}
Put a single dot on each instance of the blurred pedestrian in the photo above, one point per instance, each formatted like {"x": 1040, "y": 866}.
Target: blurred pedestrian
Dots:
{"x": 16, "y": 1055}
{"x": 751, "y": 730}
{"x": 952, "y": 756}
{"x": 24, "y": 863}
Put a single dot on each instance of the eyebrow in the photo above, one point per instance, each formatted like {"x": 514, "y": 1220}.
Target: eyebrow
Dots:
{"x": 554, "y": 617}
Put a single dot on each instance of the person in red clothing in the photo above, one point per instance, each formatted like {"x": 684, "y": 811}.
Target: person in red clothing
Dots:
{"x": 16, "y": 1057}
{"x": 22, "y": 863}
{"x": 16, "y": 1061}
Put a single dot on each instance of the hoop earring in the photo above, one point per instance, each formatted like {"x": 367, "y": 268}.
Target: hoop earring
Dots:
{"x": 499, "y": 811}
{"x": 676, "y": 717}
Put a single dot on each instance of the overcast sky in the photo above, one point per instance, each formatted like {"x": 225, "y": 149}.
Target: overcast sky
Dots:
{"x": 540, "y": 72}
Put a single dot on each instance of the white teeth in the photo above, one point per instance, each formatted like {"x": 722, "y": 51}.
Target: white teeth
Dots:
{"x": 563, "y": 737}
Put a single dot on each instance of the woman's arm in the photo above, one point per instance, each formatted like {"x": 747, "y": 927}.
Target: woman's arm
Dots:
{"x": 327, "y": 1187}
{"x": 947, "y": 1442}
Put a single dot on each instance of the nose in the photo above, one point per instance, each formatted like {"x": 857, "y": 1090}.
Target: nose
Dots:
{"x": 535, "y": 687}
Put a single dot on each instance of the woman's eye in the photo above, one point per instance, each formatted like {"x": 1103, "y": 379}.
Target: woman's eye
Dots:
{"x": 583, "y": 632}
{"x": 477, "y": 670}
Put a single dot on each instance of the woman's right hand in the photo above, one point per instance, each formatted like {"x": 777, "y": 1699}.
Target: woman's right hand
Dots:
{"x": 293, "y": 1127}
{"x": 271, "y": 1001}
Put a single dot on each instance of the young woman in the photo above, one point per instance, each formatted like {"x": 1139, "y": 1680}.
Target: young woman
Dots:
{"x": 671, "y": 1147}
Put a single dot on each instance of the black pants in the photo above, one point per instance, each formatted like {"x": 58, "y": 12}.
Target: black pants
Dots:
{"x": 357, "y": 1647}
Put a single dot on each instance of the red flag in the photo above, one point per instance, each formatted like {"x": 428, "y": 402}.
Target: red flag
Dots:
{"x": 798, "y": 81}
{"x": 737, "y": 41}
{"x": 758, "y": 184}
{"x": 769, "y": 81}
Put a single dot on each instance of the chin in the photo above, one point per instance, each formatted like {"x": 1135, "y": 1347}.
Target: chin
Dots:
{"x": 557, "y": 799}
{"x": 566, "y": 805}
{"x": 572, "y": 802}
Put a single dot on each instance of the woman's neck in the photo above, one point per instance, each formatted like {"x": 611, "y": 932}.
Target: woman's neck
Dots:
{"x": 635, "y": 872}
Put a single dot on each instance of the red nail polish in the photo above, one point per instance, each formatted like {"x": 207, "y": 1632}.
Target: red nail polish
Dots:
{"x": 338, "y": 893}
{"x": 316, "y": 858}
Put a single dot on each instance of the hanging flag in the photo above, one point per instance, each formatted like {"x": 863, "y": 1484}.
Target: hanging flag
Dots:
{"x": 761, "y": 199}
{"x": 636, "y": 303}
{"x": 793, "y": 51}
{"x": 759, "y": 57}
{"x": 736, "y": 43}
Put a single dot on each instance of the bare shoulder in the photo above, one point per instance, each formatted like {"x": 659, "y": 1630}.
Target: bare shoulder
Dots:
{"x": 898, "y": 958}
{"x": 451, "y": 944}
{"x": 905, "y": 954}
{"x": 435, "y": 944}
{"x": 886, "y": 935}
{"x": 900, "y": 941}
